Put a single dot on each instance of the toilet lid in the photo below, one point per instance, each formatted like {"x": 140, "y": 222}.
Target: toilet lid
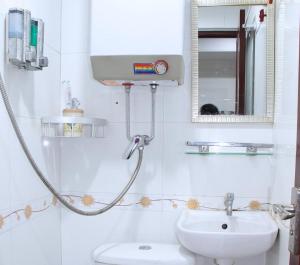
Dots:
{"x": 143, "y": 254}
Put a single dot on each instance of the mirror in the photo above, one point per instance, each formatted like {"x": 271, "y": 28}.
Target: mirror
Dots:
{"x": 233, "y": 62}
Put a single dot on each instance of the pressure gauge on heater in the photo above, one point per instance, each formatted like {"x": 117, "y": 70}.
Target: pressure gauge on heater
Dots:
{"x": 161, "y": 67}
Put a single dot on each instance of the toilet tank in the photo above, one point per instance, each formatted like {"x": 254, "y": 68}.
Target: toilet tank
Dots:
{"x": 137, "y": 40}
{"x": 142, "y": 254}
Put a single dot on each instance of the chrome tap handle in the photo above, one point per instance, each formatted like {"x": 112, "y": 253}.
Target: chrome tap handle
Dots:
{"x": 134, "y": 144}
{"x": 138, "y": 142}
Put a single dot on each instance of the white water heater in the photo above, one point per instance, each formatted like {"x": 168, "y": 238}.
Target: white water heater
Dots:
{"x": 137, "y": 41}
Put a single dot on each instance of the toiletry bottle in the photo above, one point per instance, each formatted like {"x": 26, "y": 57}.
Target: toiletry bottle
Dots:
{"x": 73, "y": 129}
{"x": 72, "y": 110}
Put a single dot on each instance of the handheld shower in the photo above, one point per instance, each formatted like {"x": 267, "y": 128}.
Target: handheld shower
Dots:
{"x": 140, "y": 61}
{"x": 43, "y": 178}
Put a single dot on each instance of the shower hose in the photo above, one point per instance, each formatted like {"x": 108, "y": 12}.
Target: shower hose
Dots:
{"x": 44, "y": 179}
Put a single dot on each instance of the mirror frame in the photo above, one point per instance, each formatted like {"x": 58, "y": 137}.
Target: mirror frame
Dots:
{"x": 269, "y": 117}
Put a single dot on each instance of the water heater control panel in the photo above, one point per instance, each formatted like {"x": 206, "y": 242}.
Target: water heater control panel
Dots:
{"x": 160, "y": 67}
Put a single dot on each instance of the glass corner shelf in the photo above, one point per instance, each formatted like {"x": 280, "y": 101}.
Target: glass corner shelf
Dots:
{"x": 73, "y": 127}
{"x": 230, "y": 149}
{"x": 229, "y": 153}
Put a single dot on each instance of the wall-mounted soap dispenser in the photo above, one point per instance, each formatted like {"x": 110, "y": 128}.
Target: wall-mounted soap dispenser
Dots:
{"x": 25, "y": 40}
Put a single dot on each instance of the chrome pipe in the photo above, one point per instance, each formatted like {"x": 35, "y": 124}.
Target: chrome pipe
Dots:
{"x": 147, "y": 139}
{"x": 153, "y": 106}
{"x": 127, "y": 110}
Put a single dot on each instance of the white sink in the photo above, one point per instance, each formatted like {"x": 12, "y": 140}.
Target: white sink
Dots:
{"x": 226, "y": 238}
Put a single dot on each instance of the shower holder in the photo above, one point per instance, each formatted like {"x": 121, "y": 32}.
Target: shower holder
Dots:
{"x": 73, "y": 127}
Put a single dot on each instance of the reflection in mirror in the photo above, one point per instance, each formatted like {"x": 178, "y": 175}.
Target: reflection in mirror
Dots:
{"x": 232, "y": 61}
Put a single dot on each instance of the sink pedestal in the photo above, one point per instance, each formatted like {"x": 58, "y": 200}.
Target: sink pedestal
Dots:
{"x": 224, "y": 262}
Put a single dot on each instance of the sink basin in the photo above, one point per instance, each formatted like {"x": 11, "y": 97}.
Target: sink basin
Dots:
{"x": 225, "y": 238}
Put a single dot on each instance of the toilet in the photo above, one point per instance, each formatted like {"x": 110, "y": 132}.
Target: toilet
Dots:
{"x": 142, "y": 254}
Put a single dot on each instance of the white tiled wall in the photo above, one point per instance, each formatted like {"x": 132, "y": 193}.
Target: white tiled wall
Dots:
{"x": 96, "y": 167}
{"x": 35, "y": 240}
{"x": 285, "y": 127}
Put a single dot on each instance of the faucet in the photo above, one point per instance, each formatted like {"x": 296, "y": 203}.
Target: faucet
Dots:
{"x": 137, "y": 142}
{"x": 228, "y": 202}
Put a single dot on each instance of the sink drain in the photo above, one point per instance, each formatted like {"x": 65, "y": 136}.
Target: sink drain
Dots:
{"x": 224, "y": 226}
{"x": 145, "y": 247}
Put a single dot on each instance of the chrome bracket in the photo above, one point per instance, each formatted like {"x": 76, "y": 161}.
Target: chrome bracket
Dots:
{"x": 203, "y": 149}
{"x": 251, "y": 149}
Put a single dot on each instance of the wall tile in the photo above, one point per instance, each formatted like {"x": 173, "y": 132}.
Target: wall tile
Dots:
{"x": 7, "y": 4}
{"x": 285, "y": 126}
{"x": 75, "y": 26}
{"x": 37, "y": 241}
{"x": 35, "y": 94}
{"x": 99, "y": 171}
{"x": 95, "y": 166}
{"x": 32, "y": 95}
{"x": 5, "y": 248}
{"x": 149, "y": 179}
{"x": 95, "y": 98}
{"x": 5, "y": 165}
{"x": 114, "y": 226}
{"x": 177, "y": 104}
{"x": 50, "y": 13}
{"x": 143, "y": 104}
{"x": 6, "y": 226}
{"x": 25, "y": 183}
{"x": 2, "y": 43}
{"x": 211, "y": 175}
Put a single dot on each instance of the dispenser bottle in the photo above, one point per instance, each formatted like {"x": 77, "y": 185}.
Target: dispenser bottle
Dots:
{"x": 72, "y": 110}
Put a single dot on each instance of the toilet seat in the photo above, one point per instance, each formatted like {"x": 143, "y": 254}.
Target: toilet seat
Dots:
{"x": 142, "y": 254}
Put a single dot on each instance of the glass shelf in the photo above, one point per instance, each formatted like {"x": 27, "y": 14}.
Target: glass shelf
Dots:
{"x": 228, "y": 153}
{"x": 230, "y": 148}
